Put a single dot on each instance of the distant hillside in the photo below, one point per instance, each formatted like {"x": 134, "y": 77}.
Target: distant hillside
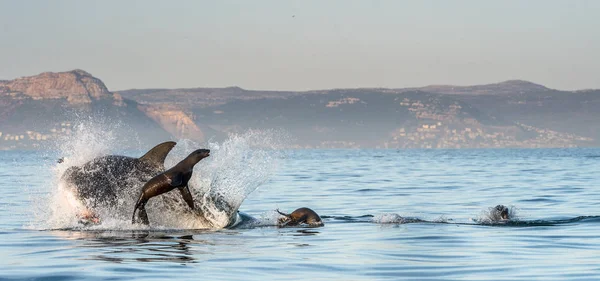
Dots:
{"x": 570, "y": 112}
{"x": 515, "y": 113}
{"x": 343, "y": 118}
{"x": 509, "y": 87}
{"x": 36, "y": 110}
{"x": 567, "y": 112}
{"x": 200, "y": 97}
{"x": 77, "y": 87}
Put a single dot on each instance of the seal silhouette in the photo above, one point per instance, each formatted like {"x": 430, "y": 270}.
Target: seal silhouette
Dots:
{"x": 500, "y": 212}
{"x": 176, "y": 177}
{"x": 300, "y": 216}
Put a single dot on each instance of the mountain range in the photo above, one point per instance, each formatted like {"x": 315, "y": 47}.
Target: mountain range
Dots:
{"x": 36, "y": 110}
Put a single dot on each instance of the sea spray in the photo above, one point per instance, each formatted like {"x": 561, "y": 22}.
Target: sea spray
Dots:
{"x": 236, "y": 167}
{"x": 59, "y": 207}
{"x": 393, "y": 218}
{"x": 221, "y": 182}
{"x": 90, "y": 137}
{"x": 491, "y": 215}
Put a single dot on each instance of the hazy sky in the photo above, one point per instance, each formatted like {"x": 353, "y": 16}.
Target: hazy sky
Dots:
{"x": 299, "y": 45}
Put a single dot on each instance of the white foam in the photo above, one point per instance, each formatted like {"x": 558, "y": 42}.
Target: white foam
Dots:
{"x": 59, "y": 207}
{"x": 490, "y": 215}
{"x": 236, "y": 168}
{"x": 388, "y": 218}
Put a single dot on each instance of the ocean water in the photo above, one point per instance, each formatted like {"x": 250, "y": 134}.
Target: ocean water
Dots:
{"x": 389, "y": 215}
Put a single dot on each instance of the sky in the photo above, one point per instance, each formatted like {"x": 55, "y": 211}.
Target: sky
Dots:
{"x": 304, "y": 45}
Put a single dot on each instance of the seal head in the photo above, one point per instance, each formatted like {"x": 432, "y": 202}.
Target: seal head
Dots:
{"x": 300, "y": 216}
{"x": 500, "y": 212}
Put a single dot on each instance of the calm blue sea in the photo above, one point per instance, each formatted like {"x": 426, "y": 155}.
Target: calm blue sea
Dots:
{"x": 389, "y": 215}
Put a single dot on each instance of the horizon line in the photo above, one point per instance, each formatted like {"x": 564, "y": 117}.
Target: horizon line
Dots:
{"x": 310, "y": 90}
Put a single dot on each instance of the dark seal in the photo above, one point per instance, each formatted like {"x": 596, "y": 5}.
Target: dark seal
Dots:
{"x": 500, "y": 212}
{"x": 300, "y": 216}
{"x": 176, "y": 177}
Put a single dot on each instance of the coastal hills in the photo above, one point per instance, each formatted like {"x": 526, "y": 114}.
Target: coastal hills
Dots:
{"x": 41, "y": 110}
{"x": 36, "y": 110}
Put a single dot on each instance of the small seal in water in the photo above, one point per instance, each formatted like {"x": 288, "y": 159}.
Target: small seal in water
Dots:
{"x": 499, "y": 212}
{"x": 300, "y": 216}
{"x": 176, "y": 177}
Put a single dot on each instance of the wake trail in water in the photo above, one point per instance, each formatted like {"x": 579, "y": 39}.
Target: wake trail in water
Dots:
{"x": 269, "y": 219}
{"x": 549, "y": 222}
{"x": 397, "y": 219}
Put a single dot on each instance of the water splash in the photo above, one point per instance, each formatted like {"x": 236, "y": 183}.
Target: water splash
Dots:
{"x": 219, "y": 185}
{"x": 221, "y": 182}
{"x": 388, "y": 218}
{"x": 491, "y": 215}
{"x": 59, "y": 207}
{"x": 266, "y": 219}
{"x": 392, "y": 218}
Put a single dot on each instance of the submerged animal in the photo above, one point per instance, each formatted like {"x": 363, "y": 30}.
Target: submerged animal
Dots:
{"x": 176, "y": 177}
{"x": 104, "y": 181}
{"x": 300, "y": 216}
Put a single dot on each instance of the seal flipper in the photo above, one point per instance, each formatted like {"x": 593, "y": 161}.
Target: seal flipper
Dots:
{"x": 142, "y": 214}
{"x": 285, "y": 220}
{"x": 156, "y": 156}
{"x": 187, "y": 196}
{"x": 283, "y": 214}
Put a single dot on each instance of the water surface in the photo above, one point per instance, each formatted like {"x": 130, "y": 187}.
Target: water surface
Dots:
{"x": 364, "y": 196}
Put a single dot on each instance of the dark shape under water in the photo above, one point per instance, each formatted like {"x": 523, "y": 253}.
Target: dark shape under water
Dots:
{"x": 114, "y": 182}
{"x": 104, "y": 180}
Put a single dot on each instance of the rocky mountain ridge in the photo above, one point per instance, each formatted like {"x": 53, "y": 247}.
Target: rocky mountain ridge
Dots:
{"x": 40, "y": 109}
{"x": 525, "y": 114}
{"x": 501, "y": 88}
{"x": 205, "y": 97}
{"x": 513, "y": 113}
{"x": 201, "y": 97}
{"x": 174, "y": 120}
{"x": 76, "y": 86}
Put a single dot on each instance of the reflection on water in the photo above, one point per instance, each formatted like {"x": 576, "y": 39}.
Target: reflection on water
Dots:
{"x": 305, "y": 232}
{"x": 156, "y": 246}
{"x": 142, "y": 246}
{"x": 135, "y": 246}
{"x": 185, "y": 246}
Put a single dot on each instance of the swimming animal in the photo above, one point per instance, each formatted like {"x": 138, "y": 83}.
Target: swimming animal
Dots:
{"x": 104, "y": 181}
{"x": 300, "y": 216}
{"x": 500, "y": 212}
{"x": 176, "y": 177}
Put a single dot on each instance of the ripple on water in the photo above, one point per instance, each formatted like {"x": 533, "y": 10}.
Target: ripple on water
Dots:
{"x": 365, "y": 202}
